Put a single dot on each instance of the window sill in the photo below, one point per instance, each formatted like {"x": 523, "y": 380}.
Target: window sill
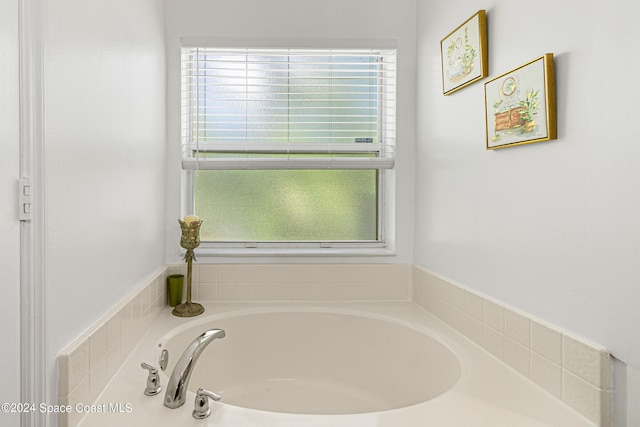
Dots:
{"x": 294, "y": 252}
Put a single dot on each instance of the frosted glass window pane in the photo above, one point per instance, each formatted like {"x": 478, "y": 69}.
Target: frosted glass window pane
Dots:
{"x": 287, "y": 205}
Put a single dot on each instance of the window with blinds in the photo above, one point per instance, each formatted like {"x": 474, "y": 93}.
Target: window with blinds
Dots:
{"x": 288, "y": 145}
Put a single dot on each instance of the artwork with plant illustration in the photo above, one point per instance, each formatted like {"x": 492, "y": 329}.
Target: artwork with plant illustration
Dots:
{"x": 464, "y": 54}
{"x": 520, "y": 105}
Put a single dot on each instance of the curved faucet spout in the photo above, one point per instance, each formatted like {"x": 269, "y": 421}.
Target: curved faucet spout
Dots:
{"x": 179, "y": 380}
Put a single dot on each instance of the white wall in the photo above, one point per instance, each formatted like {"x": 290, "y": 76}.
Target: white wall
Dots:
{"x": 104, "y": 131}
{"x": 9, "y": 225}
{"x": 295, "y": 20}
{"x": 550, "y": 228}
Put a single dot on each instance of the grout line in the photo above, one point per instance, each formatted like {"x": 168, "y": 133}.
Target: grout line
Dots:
{"x": 429, "y": 299}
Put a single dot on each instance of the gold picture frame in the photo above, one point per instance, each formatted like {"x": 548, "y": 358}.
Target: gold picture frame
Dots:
{"x": 463, "y": 54}
{"x": 520, "y": 105}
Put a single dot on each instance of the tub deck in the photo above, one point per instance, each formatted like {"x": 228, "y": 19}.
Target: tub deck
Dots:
{"x": 488, "y": 394}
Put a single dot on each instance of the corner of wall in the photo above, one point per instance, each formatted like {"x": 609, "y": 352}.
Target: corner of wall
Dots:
{"x": 577, "y": 372}
{"x": 87, "y": 364}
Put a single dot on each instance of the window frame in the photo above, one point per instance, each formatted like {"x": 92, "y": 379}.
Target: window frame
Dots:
{"x": 383, "y": 245}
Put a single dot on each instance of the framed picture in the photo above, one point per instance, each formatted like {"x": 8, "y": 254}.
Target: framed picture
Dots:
{"x": 520, "y": 106}
{"x": 464, "y": 54}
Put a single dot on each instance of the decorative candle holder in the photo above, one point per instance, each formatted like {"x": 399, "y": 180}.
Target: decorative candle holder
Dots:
{"x": 190, "y": 239}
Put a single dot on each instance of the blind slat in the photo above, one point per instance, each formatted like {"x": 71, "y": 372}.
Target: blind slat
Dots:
{"x": 300, "y": 96}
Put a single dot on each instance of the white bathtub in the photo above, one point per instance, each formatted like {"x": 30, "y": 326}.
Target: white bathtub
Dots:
{"x": 317, "y": 362}
{"x": 342, "y": 364}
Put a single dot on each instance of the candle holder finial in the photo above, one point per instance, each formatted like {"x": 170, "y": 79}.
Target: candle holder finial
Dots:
{"x": 189, "y": 239}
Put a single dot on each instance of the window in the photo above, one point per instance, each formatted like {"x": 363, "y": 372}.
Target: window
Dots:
{"x": 288, "y": 146}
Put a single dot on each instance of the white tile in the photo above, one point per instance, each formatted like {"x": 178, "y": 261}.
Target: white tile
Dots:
{"x": 160, "y": 283}
{"x": 546, "y": 374}
{"x": 161, "y": 301}
{"x": 153, "y": 290}
{"x": 590, "y": 401}
{"x": 437, "y": 287}
{"x": 114, "y": 360}
{"x": 248, "y": 273}
{"x": 335, "y": 273}
{"x": 378, "y": 291}
{"x": 493, "y": 315}
{"x": 421, "y": 297}
{"x": 430, "y": 302}
{"x": 235, "y": 291}
{"x": 454, "y": 317}
{"x": 135, "y": 305}
{"x": 279, "y": 291}
{"x": 438, "y": 307}
{"x": 518, "y": 327}
{"x": 473, "y": 305}
{"x": 493, "y": 342}
{"x": 77, "y": 365}
{"x": 297, "y": 274}
{"x": 147, "y": 295}
{"x": 587, "y": 362}
{"x": 80, "y": 395}
{"x": 404, "y": 288}
{"x": 97, "y": 379}
{"x": 419, "y": 279}
{"x": 331, "y": 273}
{"x": 317, "y": 293}
{"x": 63, "y": 375}
{"x": 381, "y": 273}
{"x": 286, "y": 291}
{"x": 227, "y": 274}
{"x": 546, "y": 342}
{"x": 473, "y": 329}
{"x": 447, "y": 291}
{"x": 126, "y": 317}
{"x": 457, "y": 296}
{"x": 208, "y": 292}
{"x": 348, "y": 291}
{"x": 98, "y": 345}
{"x": 517, "y": 356}
{"x": 128, "y": 341}
{"x": 114, "y": 331}
{"x": 343, "y": 272}
{"x": 207, "y": 273}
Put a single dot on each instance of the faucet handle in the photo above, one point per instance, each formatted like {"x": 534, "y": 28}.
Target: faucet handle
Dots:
{"x": 201, "y": 409}
{"x": 153, "y": 380}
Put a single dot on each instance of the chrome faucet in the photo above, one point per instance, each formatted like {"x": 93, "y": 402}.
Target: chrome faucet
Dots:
{"x": 179, "y": 380}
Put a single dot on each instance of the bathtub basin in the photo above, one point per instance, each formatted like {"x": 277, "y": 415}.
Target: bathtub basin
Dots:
{"x": 312, "y": 362}
{"x": 339, "y": 364}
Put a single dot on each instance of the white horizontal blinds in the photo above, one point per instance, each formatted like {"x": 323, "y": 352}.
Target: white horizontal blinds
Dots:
{"x": 288, "y": 101}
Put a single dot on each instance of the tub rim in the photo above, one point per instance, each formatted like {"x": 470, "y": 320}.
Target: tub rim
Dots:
{"x": 457, "y": 352}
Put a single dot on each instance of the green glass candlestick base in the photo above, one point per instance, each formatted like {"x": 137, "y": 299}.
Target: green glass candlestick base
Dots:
{"x": 188, "y": 309}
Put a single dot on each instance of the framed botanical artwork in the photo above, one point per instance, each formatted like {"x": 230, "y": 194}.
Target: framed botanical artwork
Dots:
{"x": 520, "y": 105}
{"x": 464, "y": 54}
